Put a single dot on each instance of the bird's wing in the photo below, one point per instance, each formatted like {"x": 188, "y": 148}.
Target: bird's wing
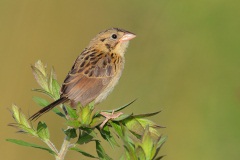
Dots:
{"x": 89, "y": 76}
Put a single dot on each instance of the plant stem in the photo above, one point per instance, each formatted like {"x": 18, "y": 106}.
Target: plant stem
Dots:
{"x": 64, "y": 149}
{"x": 66, "y": 141}
{"x": 51, "y": 145}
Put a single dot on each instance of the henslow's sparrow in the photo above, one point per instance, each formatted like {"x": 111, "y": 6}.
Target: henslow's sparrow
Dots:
{"x": 96, "y": 70}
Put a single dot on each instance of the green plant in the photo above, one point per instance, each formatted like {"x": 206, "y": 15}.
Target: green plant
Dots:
{"x": 139, "y": 136}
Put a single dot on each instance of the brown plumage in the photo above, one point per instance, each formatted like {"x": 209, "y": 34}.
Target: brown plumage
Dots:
{"x": 96, "y": 70}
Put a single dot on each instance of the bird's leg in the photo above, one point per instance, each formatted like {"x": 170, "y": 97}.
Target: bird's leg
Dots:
{"x": 109, "y": 116}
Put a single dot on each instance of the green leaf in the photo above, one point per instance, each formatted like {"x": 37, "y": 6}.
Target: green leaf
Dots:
{"x": 73, "y": 123}
{"x": 19, "y": 117}
{"x": 42, "y": 68}
{"x": 159, "y": 158}
{"x": 161, "y": 141}
{"x": 16, "y": 113}
{"x": 85, "y": 116}
{"x": 42, "y": 131}
{"x": 106, "y": 134}
{"x": 122, "y": 117}
{"x": 24, "y": 120}
{"x": 40, "y": 101}
{"x": 96, "y": 121}
{"x": 43, "y": 103}
{"x": 120, "y": 108}
{"x": 23, "y": 129}
{"x": 91, "y": 105}
{"x": 134, "y": 126}
{"x": 117, "y": 127}
{"x": 40, "y": 78}
{"x": 71, "y": 112}
{"x": 58, "y": 112}
{"x": 43, "y": 91}
{"x": 101, "y": 153}
{"x": 82, "y": 152}
{"x": 146, "y": 115}
{"x": 152, "y": 126}
{"x": 71, "y": 132}
{"x": 86, "y": 136}
{"x": 144, "y": 122}
{"x": 129, "y": 138}
{"x": 148, "y": 144}
{"x": 159, "y": 144}
{"x": 50, "y": 80}
{"x": 23, "y": 143}
{"x": 140, "y": 153}
{"x": 130, "y": 152}
{"x": 55, "y": 89}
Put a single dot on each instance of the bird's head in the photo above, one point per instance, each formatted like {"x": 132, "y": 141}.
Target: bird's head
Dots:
{"x": 114, "y": 40}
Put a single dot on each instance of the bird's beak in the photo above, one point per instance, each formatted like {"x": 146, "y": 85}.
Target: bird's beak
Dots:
{"x": 127, "y": 37}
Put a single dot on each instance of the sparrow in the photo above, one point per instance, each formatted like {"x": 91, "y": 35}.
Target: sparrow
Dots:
{"x": 95, "y": 72}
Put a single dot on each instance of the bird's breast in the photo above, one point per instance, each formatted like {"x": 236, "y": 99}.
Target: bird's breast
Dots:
{"x": 112, "y": 83}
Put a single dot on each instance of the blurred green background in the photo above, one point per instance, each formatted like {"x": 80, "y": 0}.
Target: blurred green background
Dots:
{"x": 185, "y": 61}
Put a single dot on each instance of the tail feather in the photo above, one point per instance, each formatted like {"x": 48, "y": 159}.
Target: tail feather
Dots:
{"x": 48, "y": 108}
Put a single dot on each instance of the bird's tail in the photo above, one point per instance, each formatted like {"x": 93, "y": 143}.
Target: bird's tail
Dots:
{"x": 48, "y": 108}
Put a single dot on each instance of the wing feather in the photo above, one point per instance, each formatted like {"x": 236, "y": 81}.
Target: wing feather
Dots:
{"x": 89, "y": 76}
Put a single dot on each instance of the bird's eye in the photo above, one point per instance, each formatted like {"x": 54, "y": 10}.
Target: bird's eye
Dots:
{"x": 114, "y": 36}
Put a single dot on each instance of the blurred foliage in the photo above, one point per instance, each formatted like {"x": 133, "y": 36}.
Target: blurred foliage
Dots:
{"x": 140, "y": 137}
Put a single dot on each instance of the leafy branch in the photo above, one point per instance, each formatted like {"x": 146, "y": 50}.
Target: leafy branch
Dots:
{"x": 139, "y": 135}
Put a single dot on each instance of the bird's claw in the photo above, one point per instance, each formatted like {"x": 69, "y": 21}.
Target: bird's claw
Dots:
{"x": 109, "y": 116}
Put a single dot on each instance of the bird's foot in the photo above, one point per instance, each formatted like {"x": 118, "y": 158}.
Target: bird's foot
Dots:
{"x": 109, "y": 116}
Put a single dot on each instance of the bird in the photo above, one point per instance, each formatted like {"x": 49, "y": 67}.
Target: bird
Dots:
{"x": 95, "y": 72}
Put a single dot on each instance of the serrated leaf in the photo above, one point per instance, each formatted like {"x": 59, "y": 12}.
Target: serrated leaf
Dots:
{"x": 23, "y": 143}
{"x": 71, "y": 112}
{"x": 82, "y": 152}
{"x": 101, "y": 153}
{"x": 42, "y": 131}
{"x": 71, "y": 132}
